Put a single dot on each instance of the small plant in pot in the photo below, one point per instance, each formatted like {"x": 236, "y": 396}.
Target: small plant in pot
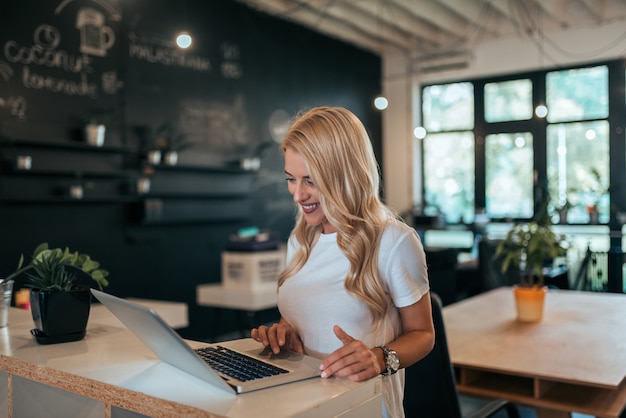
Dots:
{"x": 528, "y": 247}
{"x": 59, "y": 306}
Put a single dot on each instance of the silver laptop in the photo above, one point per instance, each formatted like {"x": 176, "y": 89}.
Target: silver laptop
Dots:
{"x": 273, "y": 370}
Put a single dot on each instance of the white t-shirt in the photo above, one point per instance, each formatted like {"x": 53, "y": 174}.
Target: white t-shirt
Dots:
{"x": 314, "y": 299}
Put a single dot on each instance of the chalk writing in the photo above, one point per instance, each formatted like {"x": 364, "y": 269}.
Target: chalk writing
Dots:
{"x": 231, "y": 70}
{"x": 16, "y": 106}
{"x": 220, "y": 124}
{"x": 46, "y": 55}
{"x": 44, "y": 52}
{"x": 58, "y": 85}
{"x": 169, "y": 57}
{"x": 110, "y": 83}
{"x": 95, "y": 37}
{"x": 231, "y": 67}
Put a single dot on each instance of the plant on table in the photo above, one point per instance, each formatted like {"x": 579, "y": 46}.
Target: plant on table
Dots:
{"x": 51, "y": 269}
{"x": 59, "y": 306}
{"x": 528, "y": 246}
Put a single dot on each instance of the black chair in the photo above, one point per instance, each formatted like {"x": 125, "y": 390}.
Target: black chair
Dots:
{"x": 430, "y": 387}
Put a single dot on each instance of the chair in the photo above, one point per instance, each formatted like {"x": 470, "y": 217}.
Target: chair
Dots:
{"x": 430, "y": 387}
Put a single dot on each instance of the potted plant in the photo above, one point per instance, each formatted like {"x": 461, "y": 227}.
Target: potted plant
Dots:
{"x": 592, "y": 190}
{"x": 79, "y": 186}
{"x": 175, "y": 144}
{"x": 59, "y": 306}
{"x": 528, "y": 247}
{"x": 94, "y": 126}
{"x": 161, "y": 144}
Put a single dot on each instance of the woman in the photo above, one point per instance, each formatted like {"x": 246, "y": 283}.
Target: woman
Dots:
{"x": 354, "y": 292}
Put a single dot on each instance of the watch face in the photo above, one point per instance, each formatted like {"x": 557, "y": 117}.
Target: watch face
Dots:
{"x": 393, "y": 362}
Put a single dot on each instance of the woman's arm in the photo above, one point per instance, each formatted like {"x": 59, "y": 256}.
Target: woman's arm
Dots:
{"x": 418, "y": 334}
{"x": 355, "y": 361}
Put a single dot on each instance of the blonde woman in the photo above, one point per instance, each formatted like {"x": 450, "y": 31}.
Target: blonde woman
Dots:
{"x": 355, "y": 289}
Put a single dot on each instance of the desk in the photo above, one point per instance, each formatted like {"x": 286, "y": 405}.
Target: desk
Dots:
{"x": 248, "y": 302}
{"x": 572, "y": 361}
{"x": 216, "y": 295}
{"x": 111, "y": 374}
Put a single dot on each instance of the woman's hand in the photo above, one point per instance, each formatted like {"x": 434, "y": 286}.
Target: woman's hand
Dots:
{"x": 354, "y": 360}
{"x": 278, "y": 336}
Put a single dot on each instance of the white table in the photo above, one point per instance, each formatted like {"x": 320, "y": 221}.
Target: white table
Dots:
{"x": 216, "y": 295}
{"x": 249, "y": 302}
{"x": 110, "y": 372}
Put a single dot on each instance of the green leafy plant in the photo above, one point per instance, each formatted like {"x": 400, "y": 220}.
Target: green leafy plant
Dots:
{"x": 528, "y": 246}
{"x": 50, "y": 269}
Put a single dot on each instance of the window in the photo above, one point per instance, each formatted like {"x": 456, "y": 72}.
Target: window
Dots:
{"x": 448, "y": 107}
{"x": 566, "y": 154}
{"x": 449, "y": 175}
{"x": 578, "y": 164}
{"x": 509, "y": 100}
{"x": 448, "y": 115}
{"x": 577, "y": 94}
{"x": 509, "y": 175}
{"x": 578, "y": 153}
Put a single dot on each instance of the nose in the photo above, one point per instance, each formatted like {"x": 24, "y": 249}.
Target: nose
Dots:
{"x": 300, "y": 193}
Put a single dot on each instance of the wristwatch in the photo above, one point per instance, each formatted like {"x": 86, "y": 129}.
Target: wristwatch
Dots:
{"x": 392, "y": 362}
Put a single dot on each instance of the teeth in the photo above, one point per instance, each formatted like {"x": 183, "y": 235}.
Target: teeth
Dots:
{"x": 308, "y": 207}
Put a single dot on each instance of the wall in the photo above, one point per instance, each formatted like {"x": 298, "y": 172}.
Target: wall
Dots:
{"x": 231, "y": 96}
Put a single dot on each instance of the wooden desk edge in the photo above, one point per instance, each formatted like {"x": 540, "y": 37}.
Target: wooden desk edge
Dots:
{"x": 110, "y": 395}
{"x": 545, "y": 393}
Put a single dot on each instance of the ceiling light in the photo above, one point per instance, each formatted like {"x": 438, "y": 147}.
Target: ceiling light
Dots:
{"x": 183, "y": 40}
{"x": 381, "y": 103}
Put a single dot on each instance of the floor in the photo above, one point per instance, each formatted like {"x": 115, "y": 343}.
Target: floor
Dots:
{"x": 470, "y": 404}
{"x": 526, "y": 412}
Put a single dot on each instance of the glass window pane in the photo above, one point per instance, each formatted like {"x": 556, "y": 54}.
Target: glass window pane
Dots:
{"x": 448, "y": 107}
{"x": 578, "y": 168}
{"x": 509, "y": 175}
{"x": 449, "y": 175}
{"x": 509, "y": 100}
{"x": 578, "y": 94}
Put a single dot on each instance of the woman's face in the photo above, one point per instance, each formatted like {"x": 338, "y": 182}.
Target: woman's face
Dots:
{"x": 304, "y": 191}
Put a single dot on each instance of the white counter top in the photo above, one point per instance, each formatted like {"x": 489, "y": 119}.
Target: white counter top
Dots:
{"x": 218, "y": 296}
{"x": 112, "y": 366}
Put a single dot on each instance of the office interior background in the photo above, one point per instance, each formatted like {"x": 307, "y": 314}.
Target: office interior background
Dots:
{"x": 469, "y": 75}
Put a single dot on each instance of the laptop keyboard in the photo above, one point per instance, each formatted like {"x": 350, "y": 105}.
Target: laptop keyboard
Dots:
{"x": 236, "y": 365}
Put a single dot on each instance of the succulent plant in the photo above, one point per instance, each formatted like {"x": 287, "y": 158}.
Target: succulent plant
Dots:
{"x": 53, "y": 269}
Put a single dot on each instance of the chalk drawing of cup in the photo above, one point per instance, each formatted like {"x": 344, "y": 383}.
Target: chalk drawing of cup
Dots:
{"x": 95, "y": 37}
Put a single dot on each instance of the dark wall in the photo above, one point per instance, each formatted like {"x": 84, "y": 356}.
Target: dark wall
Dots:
{"x": 64, "y": 62}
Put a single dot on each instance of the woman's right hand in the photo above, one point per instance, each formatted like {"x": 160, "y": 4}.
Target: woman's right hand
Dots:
{"x": 278, "y": 336}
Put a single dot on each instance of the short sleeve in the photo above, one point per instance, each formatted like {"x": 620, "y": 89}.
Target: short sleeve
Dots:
{"x": 402, "y": 262}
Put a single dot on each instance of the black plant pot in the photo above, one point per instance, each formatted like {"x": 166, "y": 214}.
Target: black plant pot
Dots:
{"x": 60, "y": 316}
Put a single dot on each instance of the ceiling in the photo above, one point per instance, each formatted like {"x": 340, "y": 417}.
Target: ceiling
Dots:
{"x": 423, "y": 28}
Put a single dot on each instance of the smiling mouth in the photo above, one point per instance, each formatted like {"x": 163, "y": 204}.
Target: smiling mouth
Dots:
{"x": 309, "y": 208}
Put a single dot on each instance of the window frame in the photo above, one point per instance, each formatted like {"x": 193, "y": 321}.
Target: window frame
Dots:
{"x": 538, "y": 129}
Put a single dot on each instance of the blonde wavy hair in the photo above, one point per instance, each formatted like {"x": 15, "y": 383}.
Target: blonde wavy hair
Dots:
{"x": 341, "y": 163}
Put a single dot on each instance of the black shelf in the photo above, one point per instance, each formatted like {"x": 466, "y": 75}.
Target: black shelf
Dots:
{"x": 202, "y": 169}
{"x": 63, "y": 145}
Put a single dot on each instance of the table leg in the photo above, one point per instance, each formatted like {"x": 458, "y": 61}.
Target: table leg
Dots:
{"x": 551, "y": 413}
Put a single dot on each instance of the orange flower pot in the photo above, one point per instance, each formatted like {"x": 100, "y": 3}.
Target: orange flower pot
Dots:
{"x": 529, "y": 303}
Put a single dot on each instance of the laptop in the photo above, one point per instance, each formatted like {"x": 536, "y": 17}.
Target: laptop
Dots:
{"x": 273, "y": 369}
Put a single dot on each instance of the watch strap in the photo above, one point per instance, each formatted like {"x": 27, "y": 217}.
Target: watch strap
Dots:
{"x": 389, "y": 356}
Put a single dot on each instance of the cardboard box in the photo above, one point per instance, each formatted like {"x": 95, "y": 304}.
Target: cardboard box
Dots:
{"x": 252, "y": 270}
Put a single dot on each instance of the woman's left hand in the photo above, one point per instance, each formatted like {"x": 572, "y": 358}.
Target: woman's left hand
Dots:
{"x": 354, "y": 360}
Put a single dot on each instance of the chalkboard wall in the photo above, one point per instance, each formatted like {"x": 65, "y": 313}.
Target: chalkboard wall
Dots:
{"x": 230, "y": 95}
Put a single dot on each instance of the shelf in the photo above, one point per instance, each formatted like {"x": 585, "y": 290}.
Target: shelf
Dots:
{"x": 186, "y": 210}
{"x": 202, "y": 169}
{"x": 548, "y": 393}
{"x": 120, "y": 174}
{"x": 62, "y": 145}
